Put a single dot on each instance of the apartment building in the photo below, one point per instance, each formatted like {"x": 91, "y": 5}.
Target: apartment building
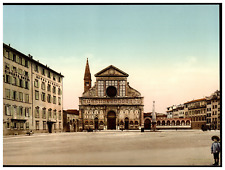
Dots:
{"x": 32, "y": 94}
{"x": 204, "y": 112}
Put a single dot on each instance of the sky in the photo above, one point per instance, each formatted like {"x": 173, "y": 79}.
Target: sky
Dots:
{"x": 171, "y": 52}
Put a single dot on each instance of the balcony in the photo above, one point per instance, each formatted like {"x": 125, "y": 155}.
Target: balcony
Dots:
{"x": 51, "y": 120}
{"x": 19, "y": 118}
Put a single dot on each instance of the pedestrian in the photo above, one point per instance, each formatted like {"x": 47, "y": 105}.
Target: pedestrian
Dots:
{"x": 215, "y": 149}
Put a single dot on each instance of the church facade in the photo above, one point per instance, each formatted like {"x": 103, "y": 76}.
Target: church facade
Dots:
{"x": 111, "y": 103}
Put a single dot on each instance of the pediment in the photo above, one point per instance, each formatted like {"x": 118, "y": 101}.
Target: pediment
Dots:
{"x": 111, "y": 71}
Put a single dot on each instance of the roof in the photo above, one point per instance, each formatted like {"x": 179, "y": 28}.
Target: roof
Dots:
{"x": 197, "y": 100}
{"x": 113, "y": 67}
{"x": 31, "y": 59}
{"x": 72, "y": 111}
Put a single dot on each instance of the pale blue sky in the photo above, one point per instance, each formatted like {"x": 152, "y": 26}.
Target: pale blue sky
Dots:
{"x": 171, "y": 52}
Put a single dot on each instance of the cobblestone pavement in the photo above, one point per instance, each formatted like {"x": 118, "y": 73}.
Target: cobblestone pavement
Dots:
{"x": 165, "y": 148}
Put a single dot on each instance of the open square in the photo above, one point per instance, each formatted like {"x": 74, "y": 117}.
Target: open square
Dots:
{"x": 167, "y": 147}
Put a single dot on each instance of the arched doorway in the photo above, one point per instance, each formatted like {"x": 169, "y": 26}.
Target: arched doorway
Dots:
{"x": 111, "y": 120}
{"x": 96, "y": 123}
{"x": 126, "y": 123}
{"x": 147, "y": 124}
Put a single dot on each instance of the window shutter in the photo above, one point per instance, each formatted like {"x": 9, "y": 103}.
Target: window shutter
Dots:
{"x": 23, "y": 83}
{"x": 10, "y": 79}
{"x": 23, "y": 62}
{"x": 10, "y": 56}
{"x": 17, "y": 81}
{"x": 24, "y": 111}
{"x": 28, "y": 85}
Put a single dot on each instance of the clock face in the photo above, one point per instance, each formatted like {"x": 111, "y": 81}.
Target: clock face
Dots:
{"x": 111, "y": 91}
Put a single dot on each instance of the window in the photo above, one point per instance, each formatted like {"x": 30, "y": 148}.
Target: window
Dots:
{"x": 59, "y": 91}
{"x": 26, "y": 85}
{"x": 14, "y": 80}
{"x": 26, "y": 73}
{"x": 7, "y": 93}
{"x": 15, "y": 125}
{"x": 36, "y": 68}
{"x": 43, "y": 71}
{"x": 36, "y": 83}
{"x": 122, "y": 88}
{"x": 49, "y": 87}
{"x": 49, "y": 74}
{"x": 20, "y": 71}
{"x": 14, "y": 57}
{"x": 26, "y": 64}
{"x": 21, "y": 125}
{"x": 7, "y": 78}
{"x": 53, "y": 77}
{"x": 60, "y": 115}
{"x": 37, "y": 125}
{"x": 21, "y": 83}
{"x": 100, "y": 88}
{"x": 27, "y": 112}
{"x": 215, "y": 106}
{"x": 37, "y": 112}
{"x": 43, "y": 97}
{"x": 14, "y": 69}
{"x": 44, "y": 125}
{"x": 27, "y": 125}
{"x": 7, "y": 125}
{"x": 20, "y": 96}
{"x": 59, "y": 79}
{"x": 49, "y": 98}
{"x": 20, "y": 113}
{"x": 6, "y": 54}
{"x": 19, "y": 60}
{"x": 54, "y": 99}
{"x": 49, "y": 113}
{"x": 59, "y": 100}
{"x": 54, "y": 89}
{"x": 44, "y": 113}
{"x": 14, "y": 95}
{"x": 59, "y": 125}
{"x": 36, "y": 95}
{"x": 43, "y": 85}
{"x": 6, "y": 66}
{"x": 54, "y": 126}
{"x": 54, "y": 114}
{"x": 7, "y": 110}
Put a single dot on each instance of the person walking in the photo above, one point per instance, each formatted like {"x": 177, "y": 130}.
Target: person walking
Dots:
{"x": 215, "y": 149}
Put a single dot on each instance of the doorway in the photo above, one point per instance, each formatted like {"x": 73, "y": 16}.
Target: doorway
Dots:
{"x": 147, "y": 124}
{"x": 126, "y": 123}
{"x": 111, "y": 120}
{"x": 96, "y": 123}
{"x": 49, "y": 127}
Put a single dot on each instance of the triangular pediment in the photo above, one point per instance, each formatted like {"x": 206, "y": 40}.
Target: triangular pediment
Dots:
{"x": 111, "y": 71}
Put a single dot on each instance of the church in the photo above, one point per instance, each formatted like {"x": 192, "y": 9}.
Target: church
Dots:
{"x": 111, "y": 103}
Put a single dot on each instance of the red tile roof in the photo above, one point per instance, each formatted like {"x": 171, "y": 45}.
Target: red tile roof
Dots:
{"x": 197, "y": 100}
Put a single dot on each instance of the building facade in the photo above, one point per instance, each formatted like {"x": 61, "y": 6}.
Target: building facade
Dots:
{"x": 70, "y": 120}
{"x": 204, "y": 112}
{"x": 163, "y": 122}
{"x": 32, "y": 94}
{"x": 111, "y": 103}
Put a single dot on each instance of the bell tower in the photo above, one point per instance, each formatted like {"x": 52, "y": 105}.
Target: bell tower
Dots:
{"x": 87, "y": 78}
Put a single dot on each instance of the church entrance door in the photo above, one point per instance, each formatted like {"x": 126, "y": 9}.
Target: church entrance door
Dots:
{"x": 96, "y": 123}
{"x": 147, "y": 124}
{"x": 111, "y": 120}
{"x": 126, "y": 123}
